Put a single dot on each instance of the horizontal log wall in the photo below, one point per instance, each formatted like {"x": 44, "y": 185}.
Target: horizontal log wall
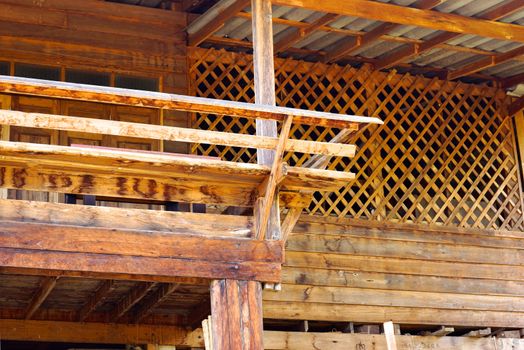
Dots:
{"x": 445, "y": 154}
{"x": 360, "y": 271}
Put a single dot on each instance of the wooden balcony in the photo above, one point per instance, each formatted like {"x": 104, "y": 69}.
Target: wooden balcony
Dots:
{"x": 160, "y": 245}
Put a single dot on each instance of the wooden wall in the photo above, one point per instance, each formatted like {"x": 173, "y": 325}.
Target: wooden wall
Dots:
{"x": 360, "y": 271}
{"x": 445, "y": 154}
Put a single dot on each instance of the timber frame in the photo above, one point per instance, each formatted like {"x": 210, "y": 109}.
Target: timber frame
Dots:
{"x": 262, "y": 174}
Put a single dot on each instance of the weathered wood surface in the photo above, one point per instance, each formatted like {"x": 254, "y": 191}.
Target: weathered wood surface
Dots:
{"x": 353, "y": 270}
{"x": 139, "y": 130}
{"x": 110, "y": 333}
{"x": 128, "y": 219}
{"x": 99, "y": 251}
{"x": 122, "y": 173}
{"x": 128, "y": 97}
{"x": 236, "y": 315}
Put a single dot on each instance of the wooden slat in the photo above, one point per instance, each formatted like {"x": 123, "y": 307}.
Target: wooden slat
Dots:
{"x": 411, "y": 16}
{"x": 214, "y": 18}
{"x": 118, "y": 128}
{"x": 516, "y": 106}
{"x": 46, "y": 287}
{"x": 135, "y": 253}
{"x": 171, "y": 101}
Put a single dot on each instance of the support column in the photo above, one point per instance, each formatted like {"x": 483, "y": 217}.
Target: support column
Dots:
{"x": 236, "y": 306}
{"x": 236, "y": 315}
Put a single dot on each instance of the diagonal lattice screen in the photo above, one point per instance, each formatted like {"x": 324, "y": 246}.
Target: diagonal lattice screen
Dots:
{"x": 444, "y": 155}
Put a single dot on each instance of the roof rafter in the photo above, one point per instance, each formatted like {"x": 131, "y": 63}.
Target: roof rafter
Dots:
{"x": 46, "y": 286}
{"x": 412, "y": 50}
{"x": 295, "y": 36}
{"x": 512, "y": 81}
{"x": 136, "y": 294}
{"x": 214, "y": 18}
{"x": 485, "y": 63}
{"x": 387, "y": 12}
{"x": 96, "y": 299}
{"x": 384, "y": 28}
{"x": 160, "y": 295}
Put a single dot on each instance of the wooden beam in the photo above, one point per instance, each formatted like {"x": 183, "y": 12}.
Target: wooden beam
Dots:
{"x": 352, "y": 45}
{"x": 130, "y": 219}
{"x": 46, "y": 287}
{"x": 167, "y": 133}
{"x": 106, "y": 333}
{"x": 214, "y": 18}
{"x": 236, "y": 315}
{"x": 158, "y": 297}
{"x": 128, "y": 97}
{"x": 485, "y": 63}
{"x": 134, "y": 296}
{"x": 387, "y": 12}
{"x": 516, "y": 106}
{"x": 412, "y": 50}
{"x": 110, "y": 252}
{"x": 263, "y": 217}
{"x": 294, "y": 36}
{"x": 104, "y": 289}
{"x": 389, "y": 332}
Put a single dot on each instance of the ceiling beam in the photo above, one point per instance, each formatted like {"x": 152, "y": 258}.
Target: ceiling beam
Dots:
{"x": 412, "y": 50}
{"x": 516, "y": 106}
{"x": 103, "y": 290}
{"x": 214, "y": 18}
{"x": 387, "y": 12}
{"x": 158, "y": 297}
{"x": 294, "y": 36}
{"x": 352, "y": 45}
{"x": 46, "y": 286}
{"x": 512, "y": 81}
{"x": 134, "y": 296}
{"x": 486, "y": 62}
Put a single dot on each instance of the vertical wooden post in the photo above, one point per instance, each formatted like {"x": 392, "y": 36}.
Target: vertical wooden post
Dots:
{"x": 264, "y": 74}
{"x": 5, "y": 103}
{"x": 236, "y": 306}
{"x": 236, "y": 315}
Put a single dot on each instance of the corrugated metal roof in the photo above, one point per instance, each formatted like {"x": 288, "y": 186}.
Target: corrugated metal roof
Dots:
{"x": 462, "y": 50}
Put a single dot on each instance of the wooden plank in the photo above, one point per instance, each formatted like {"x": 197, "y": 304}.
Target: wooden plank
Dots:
{"x": 214, "y": 18}
{"x": 378, "y": 314}
{"x": 96, "y": 299}
{"x": 130, "y": 219}
{"x": 128, "y": 97}
{"x": 389, "y": 332}
{"x": 274, "y": 340}
{"x": 264, "y": 217}
{"x": 516, "y": 106}
{"x": 168, "y": 133}
{"x": 413, "y": 49}
{"x": 386, "y": 12}
{"x": 512, "y": 81}
{"x": 46, "y": 287}
{"x": 86, "y": 332}
{"x": 388, "y": 296}
{"x": 99, "y": 251}
{"x": 236, "y": 314}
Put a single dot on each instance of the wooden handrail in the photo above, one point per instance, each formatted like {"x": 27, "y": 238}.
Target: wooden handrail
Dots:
{"x": 128, "y": 97}
{"x": 169, "y": 133}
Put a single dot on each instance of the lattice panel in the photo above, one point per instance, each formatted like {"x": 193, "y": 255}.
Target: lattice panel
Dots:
{"x": 444, "y": 154}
